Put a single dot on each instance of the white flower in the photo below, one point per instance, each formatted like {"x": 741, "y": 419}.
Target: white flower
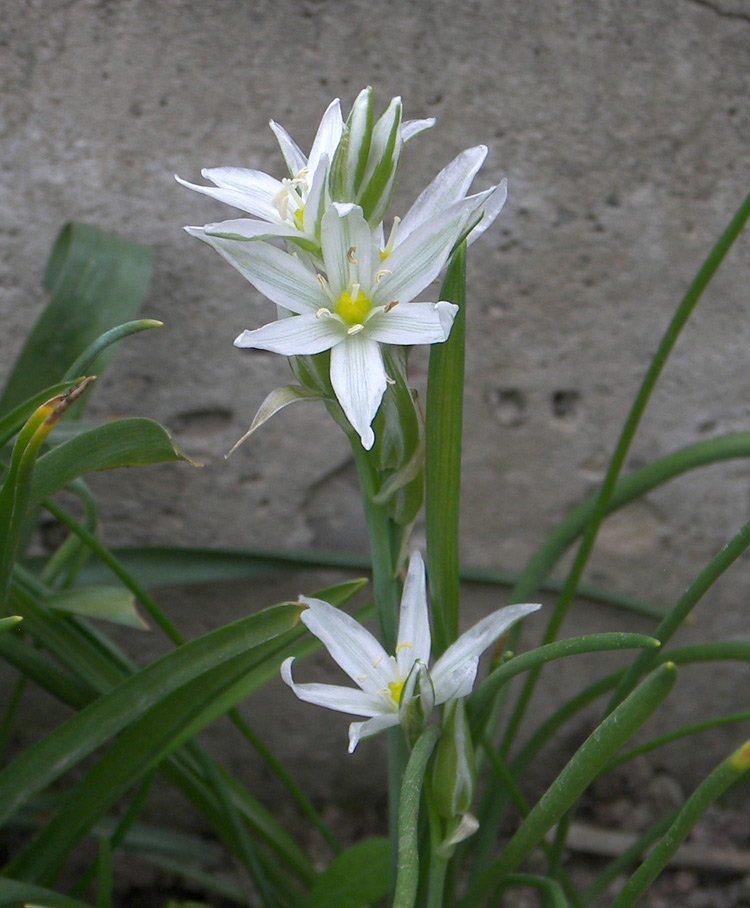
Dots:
{"x": 285, "y": 208}
{"x": 357, "y": 305}
{"x": 292, "y": 208}
{"x": 380, "y": 677}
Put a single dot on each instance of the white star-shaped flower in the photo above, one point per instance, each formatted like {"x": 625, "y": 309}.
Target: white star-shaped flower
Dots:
{"x": 357, "y": 304}
{"x": 381, "y": 678}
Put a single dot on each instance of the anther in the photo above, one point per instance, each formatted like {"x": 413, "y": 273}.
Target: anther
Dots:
{"x": 379, "y": 275}
{"x": 350, "y": 255}
{"x": 323, "y": 313}
{"x": 391, "y": 305}
{"x": 355, "y": 329}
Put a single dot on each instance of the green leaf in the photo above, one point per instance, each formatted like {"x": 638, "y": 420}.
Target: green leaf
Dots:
{"x": 443, "y": 431}
{"x": 70, "y": 742}
{"x": 354, "y": 879}
{"x": 15, "y": 894}
{"x": 125, "y": 443}
{"x": 96, "y": 282}
{"x": 106, "y": 603}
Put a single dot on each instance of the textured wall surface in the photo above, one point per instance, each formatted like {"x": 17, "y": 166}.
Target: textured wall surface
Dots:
{"x": 623, "y": 130}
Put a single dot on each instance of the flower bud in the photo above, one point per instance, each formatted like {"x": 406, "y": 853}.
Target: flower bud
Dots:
{"x": 454, "y": 773}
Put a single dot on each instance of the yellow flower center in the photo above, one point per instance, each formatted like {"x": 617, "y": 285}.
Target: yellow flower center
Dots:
{"x": 354, "y": 306}
{"x": 396, "y": 687}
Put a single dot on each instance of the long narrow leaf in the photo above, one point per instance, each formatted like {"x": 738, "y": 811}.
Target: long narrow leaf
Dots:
{"x": 443, "y": 429}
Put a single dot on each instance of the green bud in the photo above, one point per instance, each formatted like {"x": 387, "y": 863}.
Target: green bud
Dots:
{"x": 454, "y": 773}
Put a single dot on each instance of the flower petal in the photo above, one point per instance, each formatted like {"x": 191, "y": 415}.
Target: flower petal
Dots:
{"x": 249, "y": 190}
{"x": 414, "y": 624}
{"x": 419, "y": 258}
{"x": 358, "y": 378}
{"x": 412, "y": 323}
{"x": 279, "y": 275}
{"x": 335, "y": 696}
{"x": 328, "y": 136}
{"x": 411, "y": 128}
{"x": 490, "y": 210}
{"x": 450, "y": 185}
{"x": 360, "y": 730}
{"x": 295, "y": 159}
{"x": 297, "y": 335}
{"x": 447, "y": 671}
{"x": 243, "y": 229}
{"x": 351, "y": 646}
{"x": 346, "y": 243}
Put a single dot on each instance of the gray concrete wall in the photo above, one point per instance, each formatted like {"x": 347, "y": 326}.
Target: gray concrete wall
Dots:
{"x": 623, "y": 130}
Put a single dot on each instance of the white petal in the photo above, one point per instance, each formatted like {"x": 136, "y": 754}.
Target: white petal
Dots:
{"x": 411, "y": 128}
{"x": 334, "y": 696}
{"x": 328, "y": 135}
{"x": 491, "y": 209}
{"x": 279, "y": 275}
{"x": 294, "y": 336}
{"x": 318, "y": 197}
{"x": 472, "y": 644}
{"x": 248, "y": 190}
{"x": 450, "y": 185}
{"x": 419, "y": 258}
{"x": 346, "y": 243}
{"x": 456, "y": 683}
{"x": 414, "y": 623}
{"x": 351, "y": 646}
{"x": 360, "y": 730}
{"x": 412, "y": 323}
{"x": 250, "y": 229}
{"x": 292, "y": 153}
{"x": 358, "y": 378}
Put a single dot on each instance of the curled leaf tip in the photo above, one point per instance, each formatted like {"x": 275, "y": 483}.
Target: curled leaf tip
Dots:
{"x": 740, "y": 759}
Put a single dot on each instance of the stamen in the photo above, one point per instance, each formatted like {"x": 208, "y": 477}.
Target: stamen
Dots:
{"x": 350, "y": 255}
{"x": 323, "y": 313}
{"x": 389, "y": 380}
{"x": 404, "y": 646}
{"x": 391, "y": 305}
{"x": 377, "y": 662}
{"x": 355, "y": 329}
{"x": 379, "y": 275}
{"x": 322, "y": 281}
{"x": 384, "y": 253}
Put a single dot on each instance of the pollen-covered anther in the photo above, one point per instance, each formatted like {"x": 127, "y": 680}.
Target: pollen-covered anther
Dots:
{"x": 350, "y": 255}
{"x": 379, "y": 275}
{"x": 391, "y": 305}
{"x": 404, "y": 645}
{"x": 354, "y": 329}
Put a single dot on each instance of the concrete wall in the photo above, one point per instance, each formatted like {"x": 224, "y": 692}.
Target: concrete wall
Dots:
{"x": 623, "y": 130}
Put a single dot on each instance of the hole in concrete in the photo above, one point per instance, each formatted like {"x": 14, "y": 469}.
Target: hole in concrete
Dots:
{"x": 565, "y": 404}
{"x": 509, "y": 405}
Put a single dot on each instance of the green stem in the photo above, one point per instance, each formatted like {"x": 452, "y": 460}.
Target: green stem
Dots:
{"x": 707, "y": 793}
{"x": 408, "y": 815}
